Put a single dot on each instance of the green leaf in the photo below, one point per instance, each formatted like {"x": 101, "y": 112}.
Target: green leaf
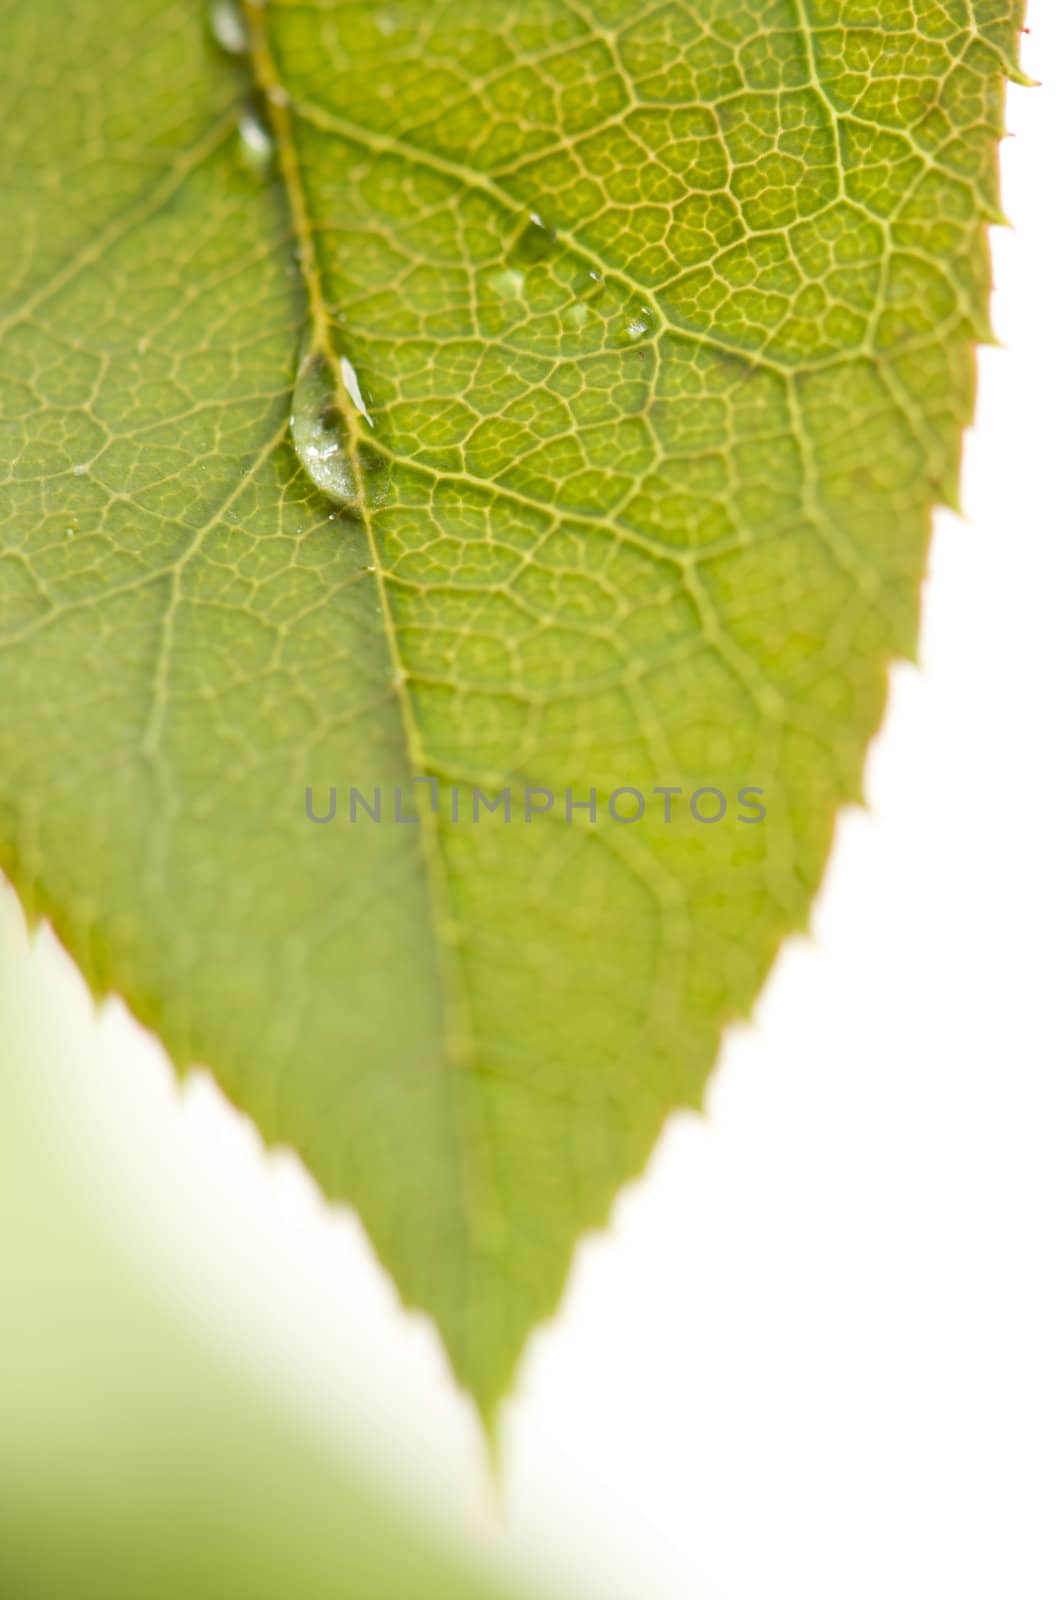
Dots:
{"x": 628, "y": 347}
{"x": 137, "y": 1462}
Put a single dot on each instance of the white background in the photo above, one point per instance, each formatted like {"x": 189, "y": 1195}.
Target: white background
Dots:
{"x": 820, "y": 1351}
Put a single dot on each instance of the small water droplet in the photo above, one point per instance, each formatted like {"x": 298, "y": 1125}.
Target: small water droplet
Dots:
{"x": 318, "y": 433}
{"x": 256, "y": 142}
{"x": 229, "y": 28}
{"x": 575, "y": 316}
{"x": 81, "y": 470}
{"x": 353, "y": 388}
{"x": 508, "y": 284}
{"x": 70, "y": 533}
{"x": 537, "y": 240}
{"x": 370, "y": 569}
{"x": 639, "y": 324}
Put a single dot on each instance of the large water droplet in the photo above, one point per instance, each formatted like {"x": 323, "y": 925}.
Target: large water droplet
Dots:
{"x": 229, "y": 27}
{"x": 256, "y": 142}
{"x": 318, "y": 433}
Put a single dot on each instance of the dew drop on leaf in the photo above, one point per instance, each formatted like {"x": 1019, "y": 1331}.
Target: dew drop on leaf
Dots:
{"x": 537, "y": 240}
{"x": 318, "y": 433}
{"x": 638, "y": 324}
{"x": 507, "y": 284}
{"x": 229, "y": 27}
{"x": 353, "y": 388}
{"x": 256, "y": 142}
{"x": 575, "y": 316}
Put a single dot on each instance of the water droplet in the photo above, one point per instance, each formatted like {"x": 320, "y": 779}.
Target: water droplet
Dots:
{"x": 70, "y": 533}
{"x": 353, "y": 388}
{"x": 507, "y": 284}
{"x": 318, "y": 433}
{"x": 256, "y": 142}
{"x": 537, "y": 240}
{"x": 81, "y": 470}
{"x": 639, "y": 324}
{"x": 575, "y": 316}
{"x": 228, "y": 26}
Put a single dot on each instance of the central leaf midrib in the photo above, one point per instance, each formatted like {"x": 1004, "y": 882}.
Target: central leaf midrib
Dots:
{"x": 458, "y": 1047}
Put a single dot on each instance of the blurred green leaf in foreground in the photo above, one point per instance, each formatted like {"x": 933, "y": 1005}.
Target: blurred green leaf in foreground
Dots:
{"x": 136, "y": 1463}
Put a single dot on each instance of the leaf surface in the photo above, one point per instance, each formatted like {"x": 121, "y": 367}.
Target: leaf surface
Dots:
{"x": 525, "y": 397}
